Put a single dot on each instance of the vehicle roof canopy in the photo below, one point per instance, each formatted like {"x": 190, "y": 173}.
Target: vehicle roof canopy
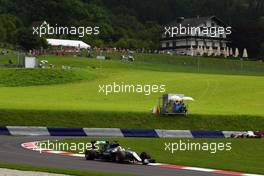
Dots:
{"x": 177, "y": 97}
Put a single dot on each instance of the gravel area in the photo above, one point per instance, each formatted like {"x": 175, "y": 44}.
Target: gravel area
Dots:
{"x": 11, "y": 172}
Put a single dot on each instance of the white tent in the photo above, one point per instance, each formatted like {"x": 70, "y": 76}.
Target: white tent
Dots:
{"x": 224, "y": 52}
{"x": 218, "y": 51}
{"x": 68, "y": 43}
{"x": 245, "y": 54}
{"x": 210, "y": 51}
{"x": 198, "y": 50}
{"x": 231, "y": 52}
{"x": 191, "y": 51}
{"x": 201, "y": 51}
{"x": 236, "y": 52}
{"x": 205, "y": 50}
{"x": 227, "y": 52}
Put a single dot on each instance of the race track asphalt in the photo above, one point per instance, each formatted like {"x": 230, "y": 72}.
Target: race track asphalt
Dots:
{"x": 12, "y": 152}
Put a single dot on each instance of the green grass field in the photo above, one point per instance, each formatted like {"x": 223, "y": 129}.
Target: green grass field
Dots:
{"x": 33, "y": 77}
{"x": 228, "y": 93}
{"x": 246, "y": 155}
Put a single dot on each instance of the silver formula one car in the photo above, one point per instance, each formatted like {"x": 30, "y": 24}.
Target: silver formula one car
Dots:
{"x": 248, "y": 134}
{"x": 103, "y": 150}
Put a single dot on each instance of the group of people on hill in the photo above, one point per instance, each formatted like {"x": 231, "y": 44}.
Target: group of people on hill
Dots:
{"x": 177, "y": 106}
{"x": 4, "y": 52}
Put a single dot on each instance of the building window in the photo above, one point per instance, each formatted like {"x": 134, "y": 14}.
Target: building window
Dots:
{"x": 174, "y": 43}
{"x": 215, "y": 44}
{"x": 196, "y": 43}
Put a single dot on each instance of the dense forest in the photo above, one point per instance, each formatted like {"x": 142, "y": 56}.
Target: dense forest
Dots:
{"x": 129, "y": 23}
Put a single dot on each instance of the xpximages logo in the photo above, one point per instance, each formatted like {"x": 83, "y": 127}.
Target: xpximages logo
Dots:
{"x": 46, "y": 29}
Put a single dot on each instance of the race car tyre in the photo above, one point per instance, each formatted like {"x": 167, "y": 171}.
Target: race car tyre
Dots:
{"x": 145, "y": 158}
{"x": 144, "y": 155}
{"x": 232, "y": 135}
{"x": 90, "y": 154}
{"x": 120, "y": 157}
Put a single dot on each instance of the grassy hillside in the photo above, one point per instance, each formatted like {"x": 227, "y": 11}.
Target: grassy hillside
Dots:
{"x": 32, "y": 77}
{"x": 222, "y": 100}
